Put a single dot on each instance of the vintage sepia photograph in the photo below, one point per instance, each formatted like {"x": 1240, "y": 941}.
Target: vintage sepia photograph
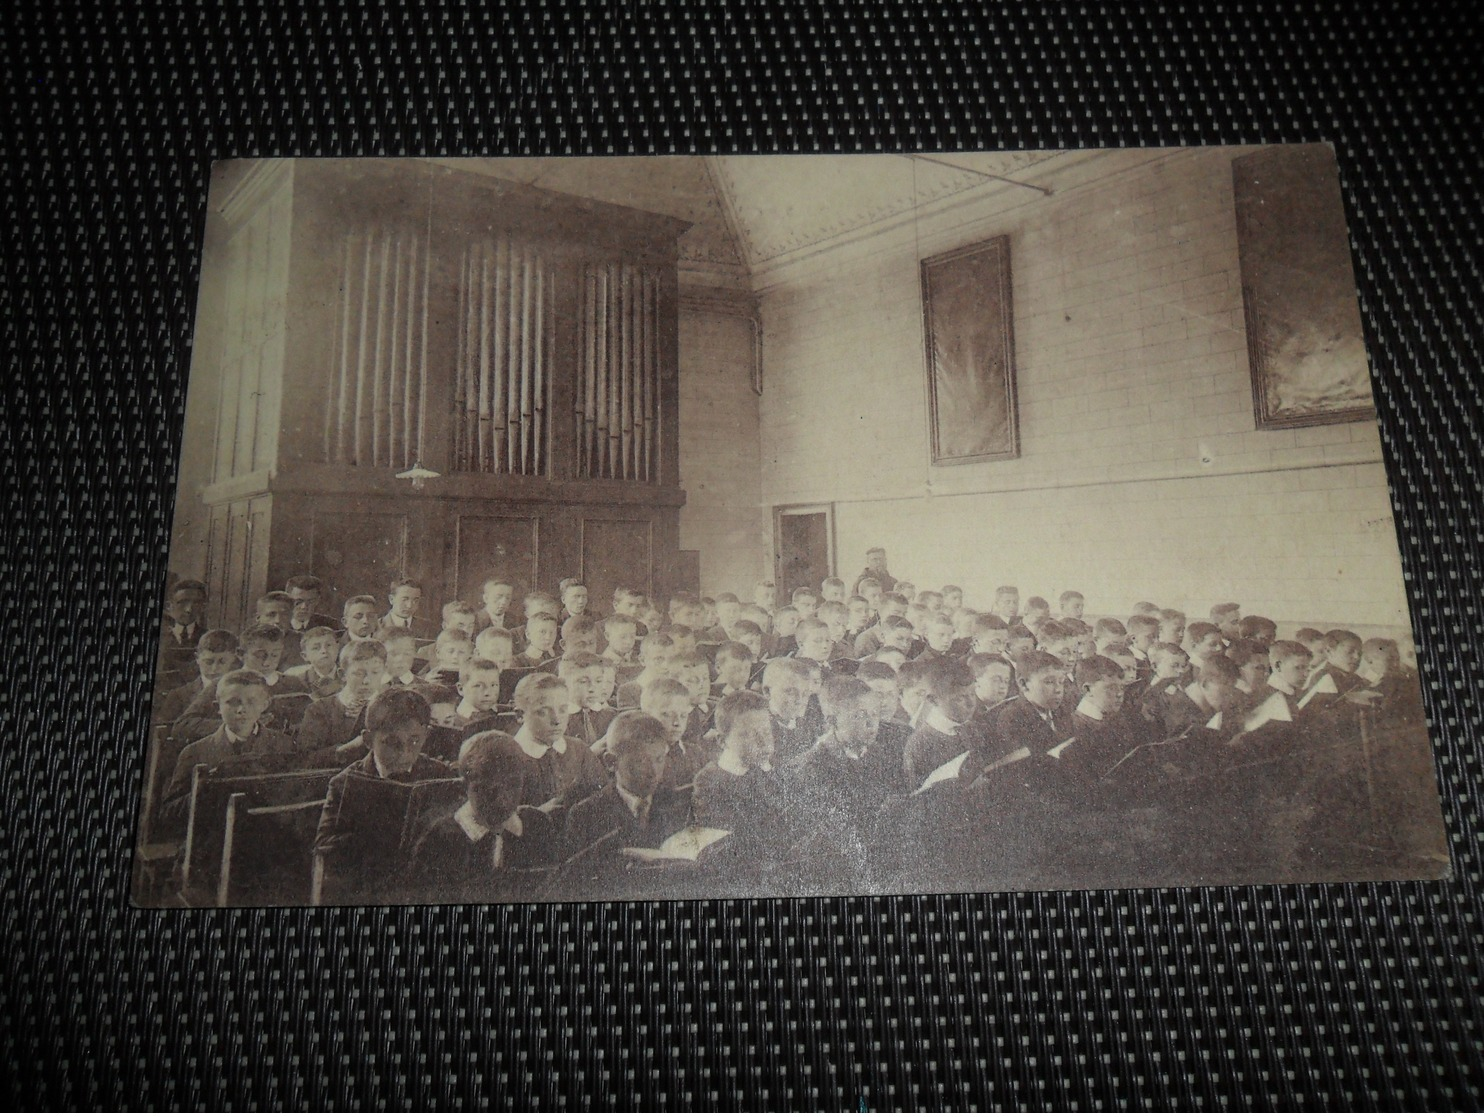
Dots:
{"x": 555, "y": 529}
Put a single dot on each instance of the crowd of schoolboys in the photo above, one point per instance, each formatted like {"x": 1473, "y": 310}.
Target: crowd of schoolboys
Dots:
{"x": 869, "y": 737}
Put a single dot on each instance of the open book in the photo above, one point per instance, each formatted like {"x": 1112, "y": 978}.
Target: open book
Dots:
{"x": 687, "y": 845}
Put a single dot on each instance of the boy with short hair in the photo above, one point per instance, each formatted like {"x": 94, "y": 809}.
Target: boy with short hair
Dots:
{"x": 261, "y": 650}
{"x": 478, "y": 689}
{"x": 586, "y": 676}
{"x": 1018, "y": 640}
{"x": 334, "y": 721}
{"x": 1258, "y": 629}
{"x": 1202, "y": 639}
{"x": 451, "y": 651}
{"x": 693, "y": 671}
{"x": 540, "y": 642}
{"x": 184, "y": 625}
{"x": 670, "y": 702}
{"x": 1253, "y": 667}
{"x": 813, "y": 639}
{"x": 1277, "y": 701}
{"x": 785, "y": 623}
{"x": 805, "y": 602}
{"x": 360, "y": 858}
{"x": 857, "y": 619}
{"x": 1037, "y": 612}
{"x": 1171, "y": 627}
{"x": 1032, "y": 721}
{"x": 683, "y": 637}
{"x": 359, "y": 620}
{"x": 215, "y": 655}
{"x": 953, "y": 599}
{"x": 937, "y": 634}
{"x": 737, "y": 791}
{"x": 493, "y": 849}
{"x": 620, "y": 638}
{"x": 404, "y": 596}
{"x": 656, "y": 652}
{"x": 575, "y": 602}
{"x": 1071, "y": 604}
{"x": 685, "y": 609}
{"x": 562, "y": 770}
{"x": 765, "y": 595}
{"x": 1108, "y": 630}
{"x": 1103, "y": 736}
{"x": 788, "y": 685}
{"x": 579, "y": 634}
{"x": 872, "y": 639}
{"x": 988, "y": 634}
{"x": 944, "y": 730}
{"x": 1170, "y": 668}
{"x": 913, "y": 689}
{"x": 1143, "y": 634}
{"x": 832, "y": 589}
{"x": 636, "y": 809}
{"x": 734, "y": 666}
{"x": 242, "y": 699}
{"x": 751, "y": 637}
{"x": 401, "y": 658}
{"x": 495, "y": 597}
{"x": 834, "y": 614}
{"x": 728, "y": 613}
{"x": 320, "y": 671}
{"x": 1227, "y": 617}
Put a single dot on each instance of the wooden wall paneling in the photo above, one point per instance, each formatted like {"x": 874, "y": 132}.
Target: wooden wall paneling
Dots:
{"x": 495, "y": 545}
{"x": 356, "y": 550}
{"x": 617, "y": 552}
{"x": 236, "y": 608}
{"x": 259, "y": 513}
{"x": 217, "y": 544}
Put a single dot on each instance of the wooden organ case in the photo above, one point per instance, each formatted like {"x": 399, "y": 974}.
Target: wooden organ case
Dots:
{"x": 373, "y": 315}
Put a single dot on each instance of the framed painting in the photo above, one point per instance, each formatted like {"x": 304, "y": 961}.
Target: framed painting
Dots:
{"x": 1304, "y": 339}
{"x": 970, "y": 350}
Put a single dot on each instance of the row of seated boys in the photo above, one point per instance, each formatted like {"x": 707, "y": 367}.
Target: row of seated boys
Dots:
{"x": 980, "y": 693}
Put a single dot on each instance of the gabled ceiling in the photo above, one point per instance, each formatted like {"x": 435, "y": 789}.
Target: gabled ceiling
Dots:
{"x": 754, "y": 212}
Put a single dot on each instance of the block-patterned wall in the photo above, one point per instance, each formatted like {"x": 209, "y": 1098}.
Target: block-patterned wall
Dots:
{"x": 723, "y": 516}
{"x": 1142, "y": 473}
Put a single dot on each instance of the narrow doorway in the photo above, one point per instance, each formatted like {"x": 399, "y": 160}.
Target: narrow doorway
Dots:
{"x": 804, "y": 553}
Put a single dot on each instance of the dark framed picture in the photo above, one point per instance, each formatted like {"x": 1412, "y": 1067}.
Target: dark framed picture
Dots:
{"x": 970, "y": 351}
{"x": 1304, "y": 339}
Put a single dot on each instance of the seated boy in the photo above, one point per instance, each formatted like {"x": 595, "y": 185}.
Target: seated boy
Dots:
{"x": 738, "y": 791}
{"x": 988, "y": 634}
{"x": 835, "y": 615}
{"x": 953, "y": 599}
{"x": 630, "y": 603}
{"x": 814, "y": 643}
{"x": 361, "y": 856}
{"x": 1143, "y": 634}
{"x": 994, "y": 683}
{"x": 832, "y": 589}
{"x": 493, "y": 849}
{"x": 913, "y": 688}
{"x": 1251, "y": 661}
{"x": 636, "y": 809}
{"x": 669, "y": 702}
{"x": 478, "y": 689}
{"x": 1227, "y": 617}
{"x": 401, "y": 657}
{"x": 944, "y": 730}
{"x": 1259, "y": 630}
{"x": 496, "y": 596}
{"x": 1006, "y": 605}
{"x": 1170, "y": 667}
{"x": 871, "y": 589}
{"x": 1202, "y": 639}
{"x": 728, "y": 613}
{"x": 788, "y": 685}
{"x": 539, "y": 601}
{"x": 693, "y": 671}
{"x": 785, "y": 624}
{"x": 656, "y": 653}
{"x": 1171, "y": 627}
{"x": 575, "y": 603}
{"x": 331, "y": 722}
{"x": 242, "y": 699}
{"x": 1276, "y": 701}
{"x": 561, "y": 771}
{"x": 587, "y": 678}
{"x": 840, "y": 782}
{"x": 1032, "y": 722}
{"x": 938, "y": 636}
{"x": 1108, "y": 630}
{"x": 540, "y": 643}
{"x": 277, "y": 609}
{"x": 580, "y": 633}
{"x": 1037, "y": 611}
{"x": 360, "y": 620}
{"x": 261, "y": 648}
{"x": 620, "y": 640}
{"x": 857, "y": 619}
{"x": 765, "y": 596}
{"x": 215, "y": 655}
{"x": 871, "y": 640}
{"x": 734, "y": 664}
{"x": 1205, "y": 702}
{"x": 1018, "y": 640}
{"x": 1071, "y": 604}
{"x": 683, "y": 636}
{"x": 183, "y": 626}
{"x": 805, "y": 602}
{"x": 1103, "y": 736}
{"x": 320, "y": 671}
{"x": 453, "y": 648}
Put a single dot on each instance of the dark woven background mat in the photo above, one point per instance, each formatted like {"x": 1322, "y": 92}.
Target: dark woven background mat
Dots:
{"x": 1364, "y": 996}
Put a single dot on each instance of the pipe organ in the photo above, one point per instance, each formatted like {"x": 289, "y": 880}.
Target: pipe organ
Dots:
{"x": 368, "y": 315}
